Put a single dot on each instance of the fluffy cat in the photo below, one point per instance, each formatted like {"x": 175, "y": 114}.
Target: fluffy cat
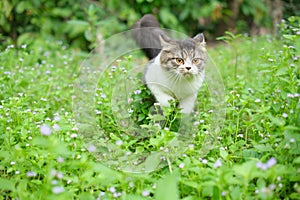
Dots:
{"x": 176, "y": 68}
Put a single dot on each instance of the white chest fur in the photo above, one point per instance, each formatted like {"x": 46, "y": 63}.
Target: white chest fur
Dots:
{"x": 165, "y": 88}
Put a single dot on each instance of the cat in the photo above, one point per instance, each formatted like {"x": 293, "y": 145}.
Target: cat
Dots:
{"x": 176, "y": 68}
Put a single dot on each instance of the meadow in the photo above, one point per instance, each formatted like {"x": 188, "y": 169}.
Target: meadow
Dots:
{"x": 254, "y": 150}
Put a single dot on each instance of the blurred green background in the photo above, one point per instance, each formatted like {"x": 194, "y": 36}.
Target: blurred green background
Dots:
{"x": 82, "y": 23}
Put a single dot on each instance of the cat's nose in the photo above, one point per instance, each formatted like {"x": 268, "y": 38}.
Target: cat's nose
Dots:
{"x": 188, "y": 68}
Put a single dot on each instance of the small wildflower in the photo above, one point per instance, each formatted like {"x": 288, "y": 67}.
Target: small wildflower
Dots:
{"x": 112, "y": 189}
{"x": 271, "y": 162}
{"x": 103, "y": 96}
{"x": 145, "y": 193}
{"x": 218, "y": 163}
{"x": 264, "y": 166}
{"x": 31, "y": 174}
{"x": 257, "y": 100}
{"x": 17, "y": 172}
{"x": 204, "y": 161}
{"x": 284, "y": 115}
{"x": 56, "y": 127}
{"x": 154, "y": 185}
{"x": 292, "y": 140}
{"x": 59, "y": 175}
{"x": 137, "y": 92}
{"x": 45, "y": 130}
{"x": 98, "y": 112}
{"x": 130, "y": 111}
{"x": 60, "y": 159}
{"x": 119, "y": 142}
{"x": 12, "y": 163}
{"x": 196, "y": 123}
{"x": 56, "y": 118}
{"x": 223, "y": 193}
{"x": 91, "y": 148}
{"x": 58, "y": 189}
{"x": 181, "y": 165}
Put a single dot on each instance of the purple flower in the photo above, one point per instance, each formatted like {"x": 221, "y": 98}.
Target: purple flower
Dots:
{"x": 56, "y": 127}
{"x": 145, "y": 193}
{"x": 218, "y": 163}
{"x": 271, "y": 162}
{"x": 264, "y": 166}
{"x": 58, "y": 189}
{"x": 137, "y": 92}
{"x": 45, "y": 130}
{"x": 181, "y": 165}
{"x": 91, "y": 148}
{"x": 31, "y": 174}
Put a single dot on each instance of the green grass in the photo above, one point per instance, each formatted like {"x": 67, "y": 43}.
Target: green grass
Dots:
{"x": 255, "y": 155}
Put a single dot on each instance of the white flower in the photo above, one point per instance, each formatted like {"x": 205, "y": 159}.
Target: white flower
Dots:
{"x": 112, "y": 189}
{"x": 284, "y": 115}
{"x": 292, "y": 140}
{"x": 257, "y": 100}
{"x": 181, "y": 165}
{"x": 204, "y": 161}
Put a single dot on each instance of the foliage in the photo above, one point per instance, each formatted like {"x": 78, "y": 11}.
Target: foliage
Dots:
{"x": 83, "y": 24}
{"x": 257, "y": 154}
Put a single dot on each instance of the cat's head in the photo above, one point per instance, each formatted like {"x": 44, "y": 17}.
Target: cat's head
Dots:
{"x": 183, "y": 58}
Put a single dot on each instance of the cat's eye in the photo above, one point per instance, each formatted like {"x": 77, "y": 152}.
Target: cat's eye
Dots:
{"x": 196, "y": 61}
{"x": 179, "y": 61}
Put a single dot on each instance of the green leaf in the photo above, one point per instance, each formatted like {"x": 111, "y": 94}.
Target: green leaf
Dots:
{"x": 152, "y": 161}
{"x": 264, "y": 147}
{"x": 223, "y": 154}
{"x": 134, "y": 197}
{"x": 6, "y": 185}
{"x": 167, "y": 188}
{"x": 289, "y": 37}
{"x": 297, "y": 160}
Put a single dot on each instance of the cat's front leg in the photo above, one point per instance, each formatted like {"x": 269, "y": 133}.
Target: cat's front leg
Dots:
{"x": 162, "y": 97}
{"x": 187, "y": 104}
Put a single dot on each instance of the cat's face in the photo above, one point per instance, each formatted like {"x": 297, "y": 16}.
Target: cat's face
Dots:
{"x": 183, "y": 59}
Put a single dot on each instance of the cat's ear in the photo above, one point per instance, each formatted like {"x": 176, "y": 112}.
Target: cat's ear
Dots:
{"x": 199, "y": 38}
{"x": 165, "y": 42}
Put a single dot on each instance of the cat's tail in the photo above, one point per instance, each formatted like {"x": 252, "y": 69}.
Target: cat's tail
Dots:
{"x": 146, "y": 33}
